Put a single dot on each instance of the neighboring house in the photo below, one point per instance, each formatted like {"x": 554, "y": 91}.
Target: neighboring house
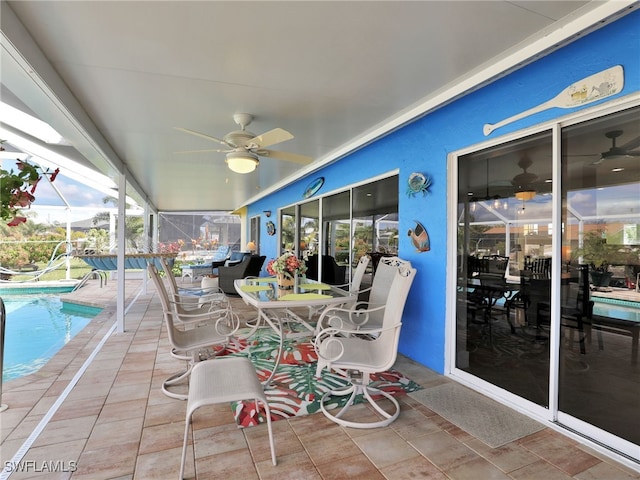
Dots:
{"x": 87, "y": 224}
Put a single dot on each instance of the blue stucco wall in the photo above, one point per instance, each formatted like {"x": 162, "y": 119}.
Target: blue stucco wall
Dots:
{"x": 423, "y": 145}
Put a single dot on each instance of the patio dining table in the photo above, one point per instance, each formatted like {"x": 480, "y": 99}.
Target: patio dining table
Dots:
{"x": 274, "y": 305}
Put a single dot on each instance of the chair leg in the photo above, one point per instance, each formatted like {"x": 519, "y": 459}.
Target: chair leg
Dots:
{"x": 360, "y": 386}
{"x": 174, "y": 380}
{"x": 267, "y": 411}
{"x": 581, "y": 335}
{"x": 180, "y": 355}
{"x": 184, "y": 447}
{"x": 180, "y": 377}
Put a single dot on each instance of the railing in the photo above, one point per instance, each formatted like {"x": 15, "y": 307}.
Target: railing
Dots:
{"x": 3, "y": 316}
{"x": 135, "y": 261}
{"x": 55, "y": 261}
{"x": 101, "y": 274}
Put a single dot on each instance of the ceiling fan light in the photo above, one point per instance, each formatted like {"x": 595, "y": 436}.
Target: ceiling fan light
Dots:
{"x": 525, "y": 195}
{"x": 242, "y": 162}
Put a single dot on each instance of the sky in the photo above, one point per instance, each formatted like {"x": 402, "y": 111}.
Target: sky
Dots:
{"x": 85, "y": 202}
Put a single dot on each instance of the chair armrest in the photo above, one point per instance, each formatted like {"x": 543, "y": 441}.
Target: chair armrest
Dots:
{"x": 225, "y": 322}
{"x": 346, "y": 286}
{"x": 194, "y": 315}
{"x": 328, "y": 344}
{"x": 195, "y": 291}
{"x": 228, "y": 270}
{"x": 231, "y": 263}
{"x": 357, "y": 316}
{"x": 363, "y": 290}
{"x": 207, "y": 295}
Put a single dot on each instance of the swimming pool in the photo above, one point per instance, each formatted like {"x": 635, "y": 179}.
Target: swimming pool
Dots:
{"x": 616, "y": 308}
{"x": 37, "y": 326}
{"x": 31, "y": 288}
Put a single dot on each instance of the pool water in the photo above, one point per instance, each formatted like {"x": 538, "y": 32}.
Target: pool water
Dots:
{"x": 37, "y": 326}
{"x": 617, "y": 311}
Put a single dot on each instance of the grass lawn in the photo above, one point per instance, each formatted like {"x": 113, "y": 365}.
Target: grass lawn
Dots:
{"x": 78, "y": 270}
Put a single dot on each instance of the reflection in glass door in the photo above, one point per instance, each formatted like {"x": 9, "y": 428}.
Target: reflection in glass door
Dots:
{"x": 375, "y": 222}
{"x": 287, "y": 229}
{"x": 309, "y": 228}
{"x": 599, "y": 378}
{"x": 336, "y": 217}
{"x": 357, "y": 221}
{"x": 254, "y": 234}
{"x": 504, "y": 282}
{"x": 506, "y": 321}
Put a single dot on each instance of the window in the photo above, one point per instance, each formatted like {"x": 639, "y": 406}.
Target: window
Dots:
{"x": 344, "y": 225}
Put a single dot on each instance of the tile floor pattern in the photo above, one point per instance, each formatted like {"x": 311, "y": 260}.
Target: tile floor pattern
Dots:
{"x": 116, "y": 423}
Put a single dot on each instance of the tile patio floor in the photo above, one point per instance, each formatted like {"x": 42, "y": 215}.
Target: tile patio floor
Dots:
{"x": 116, "y": 424}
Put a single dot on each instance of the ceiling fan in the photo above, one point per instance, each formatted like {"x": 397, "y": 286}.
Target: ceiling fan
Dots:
{"x": 523, "y": 183}
{"x": 243, "y": 147}
{"x": 616, "y": 152}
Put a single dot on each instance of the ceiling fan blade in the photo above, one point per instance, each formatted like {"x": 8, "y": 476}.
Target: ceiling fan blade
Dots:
{"x": 202, "y": 135}
{"x": 631, "y": 145}
{"x": 208, "y": 150}
{"x": 287, "y": 156}
{"x": 271, "y": 137}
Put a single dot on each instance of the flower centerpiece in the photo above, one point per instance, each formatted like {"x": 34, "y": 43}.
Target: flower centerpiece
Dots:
{"x": 172, "y": 247}
{"x": 286, "y": 267}
{"x": 17, "y": 189}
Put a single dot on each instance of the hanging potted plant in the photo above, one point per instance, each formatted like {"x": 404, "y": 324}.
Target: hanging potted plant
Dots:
{"x": 17, "y": 189}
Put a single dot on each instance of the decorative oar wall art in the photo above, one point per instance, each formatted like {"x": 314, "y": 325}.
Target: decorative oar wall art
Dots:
{"x": 587, "y": 90}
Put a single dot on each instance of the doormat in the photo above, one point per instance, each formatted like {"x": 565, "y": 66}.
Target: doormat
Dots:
{"x": 295, "y": 390}
{"x": 489, "y": 421}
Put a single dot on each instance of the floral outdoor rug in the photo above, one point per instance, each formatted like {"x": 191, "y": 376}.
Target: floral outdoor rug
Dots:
{"x": 295, "y": 390}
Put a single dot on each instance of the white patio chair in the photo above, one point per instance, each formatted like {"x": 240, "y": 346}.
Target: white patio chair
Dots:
{"x": 356, "y": 281}
{"x": 187, "y": 301}
{"x": 353, "y": 287}
{"x": 200, "y": 330}
{"x": 354, "y": 356}
{"x": 193, "y": 297}
{"x": 365, "y": 316}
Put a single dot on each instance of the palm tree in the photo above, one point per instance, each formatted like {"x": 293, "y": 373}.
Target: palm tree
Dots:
{"x": 134, "y": 227}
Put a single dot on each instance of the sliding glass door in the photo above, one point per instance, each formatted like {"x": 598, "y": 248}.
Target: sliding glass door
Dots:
{"x": 309, "y": 228}
{"x": 336, "y": 215}
{"x": 375, "y": 222}
{"x": 504, "y": 206}
{"x": 553, "y": 317}
{"x": 599, "y": 381}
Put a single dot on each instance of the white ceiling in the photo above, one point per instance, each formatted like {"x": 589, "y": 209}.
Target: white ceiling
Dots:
{"x": 116, "y": 77}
